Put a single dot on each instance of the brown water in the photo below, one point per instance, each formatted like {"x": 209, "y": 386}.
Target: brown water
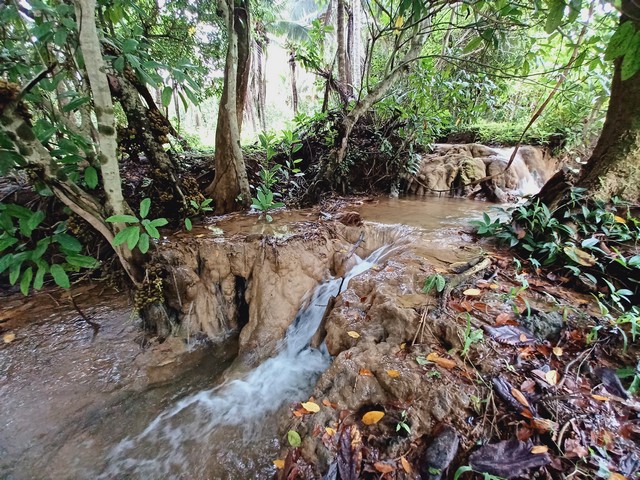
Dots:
{"x": 76, "y": 404}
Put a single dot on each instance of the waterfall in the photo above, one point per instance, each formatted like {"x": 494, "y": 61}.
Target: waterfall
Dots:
{"x": 180, "y": 440}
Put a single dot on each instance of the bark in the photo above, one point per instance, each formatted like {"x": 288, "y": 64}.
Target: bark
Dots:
{"x": 230, "y": 187}
{"x": 341, "y": 33}
{"x": 107, "y": 143}
{"x": 614, "y": 166}
{"x": 242, "y": 29}
{"x": 259, "y": 86}
{"x": 294, "y": 88}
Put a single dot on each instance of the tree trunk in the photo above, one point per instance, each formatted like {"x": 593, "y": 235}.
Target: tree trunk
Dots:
{"x": 341, "y": 33}
{"x": 294, "y": 88}
{"x": 230, "y": 187}
{"x": 614, "y": 166}
{"x": 242, "y": 29}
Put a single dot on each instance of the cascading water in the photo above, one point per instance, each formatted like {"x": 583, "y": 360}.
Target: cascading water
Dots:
{"x": 205, "y": 435}
{"x": 528, "y": 184}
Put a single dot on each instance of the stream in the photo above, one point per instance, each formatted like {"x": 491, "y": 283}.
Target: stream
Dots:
{"x": 79, "y": 405}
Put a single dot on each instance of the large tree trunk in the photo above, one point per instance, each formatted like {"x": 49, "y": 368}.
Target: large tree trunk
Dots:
{"x": 294, "y": 87}
{"x": 230, "y": 187}
{"x": 341, "y": 33}
{"x": 242, "y": 27}
{"x": 614, "y": 166}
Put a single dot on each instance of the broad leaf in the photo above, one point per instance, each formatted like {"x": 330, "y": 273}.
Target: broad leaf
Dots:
{"x": 554, "y": 18}
{"x": 60, "y": 276}
{"x": 167, "y": 93}
{"x": 620, "y": 41}
{"x": 143, "y": 243}
{"x": 122, "y": 219}
{"x": 145, "y": 205}
{"x": 507, "y": 459}
{"x": 91, "y": 177}
{"x": 25, "y": 283}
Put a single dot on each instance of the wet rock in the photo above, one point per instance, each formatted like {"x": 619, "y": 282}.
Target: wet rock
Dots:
{"x": 545, "y": 326}
{"x": 439, "y": 454}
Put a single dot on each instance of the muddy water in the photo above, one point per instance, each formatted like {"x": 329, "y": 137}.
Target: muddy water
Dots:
{"x": 81, "y": 405}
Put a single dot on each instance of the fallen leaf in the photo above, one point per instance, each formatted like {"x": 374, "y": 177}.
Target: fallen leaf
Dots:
{"x": 504, "y": 319}
{"x": 9, "y": 337}
{"x": 353, "y": 334}
{"x": 580, "y": 256}
{"x": 508, "y": 459}
{"x": 350, "y": 453}
{"x": 519, "y": 396}
{"x": 365, "y": 372}
{"x": 510, "y": 335}
{"x": 442, "y": 362}
{"x": 279, "y": 464}
{"x": 611, "y": 382}
{"x": 311, "y": 407}
{"x": 616, "y": 476}
{"x": 393, "y": 373}
{"x": 294, "y": 438}
{"x": 551, "y": 377}
{"x": 528, "y": 386}
{"x": 330, "y": 431}
{"x": 327, "y": 403}
{"x": 372, "y": 417}
{"x": 600, "y": 398}
{"x": 543, "y": 425}
{"x": 494, "y": 286}
{"x": 557, "y": 351}
{"x": 472, "y": 292}
{"x": 619, "y": 220}
{"x": 406, "y": 466}
{"x": 384, "y": 467}
{"x": 538, "y": 449}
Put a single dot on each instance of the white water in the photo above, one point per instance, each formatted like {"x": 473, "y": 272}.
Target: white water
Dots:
{"x": 528, "y": 184}
{"x": 204, "y": 431}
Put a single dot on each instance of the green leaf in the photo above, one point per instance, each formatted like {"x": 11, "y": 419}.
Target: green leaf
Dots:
{"x": 167, "y": 93}
{"x": 152, "y": 231}
{"x": 67, "y": 242}
{"x": 159, "y": 222}
{"x": 143, "y": 243}
{"x": 129, "y": 45}
{"x": 631, "y": 60}
{"x": 472, "y": 45}
{"x": 145, "y": 205}
{"x": 123, "y": 235}
{"x": 82, "y": 261}
{"x": 294, "y": 438}
{"x": 554, "y": 18}
{"x": 9, "y": 159}
{"x": 118, "y": 64}
{"x": 7, "y": 242}
{"x": 187, "y": 224}
{"x": 35, "y": 220}
{"x": 14, "y": 272}
{"x": 619, "y": 41}
{"x": 122, "y": 219}
{"x": 75, "y": 103}
{"x": 133, "y": 237}
{"x": 60, "y": 276}
{"x": 25, "y": 283}
{"x": 191, "y": 95}
{"x": 6, "y": 261}
{"x": 91, "y": 177}
{"x": 38, "y": 281}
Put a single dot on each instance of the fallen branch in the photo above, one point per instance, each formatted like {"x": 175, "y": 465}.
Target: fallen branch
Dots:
{"x": 456, "y": 280}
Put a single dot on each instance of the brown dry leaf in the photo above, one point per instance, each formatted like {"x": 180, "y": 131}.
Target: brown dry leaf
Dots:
{"x": 365, "y": 372}
{"x": 311, "y": 407}
{"x": 543, "y": 425}
{"x": 279, "y": 464}
{"x": 393, "y": 373}
{"x": 300, "y": 412}
{"x": 528, "y": 386}
{"x": 600, "y": 398}
{"x": 557, "y": 351}
{"x": 551, "y": 377}
{"x": 504, "y": 319}
{"x": 353, "y": 334}
{"x": 9, "y": 337}
{"x": 472, "y": 292}
{"x": 384, "y": 467}
{"x": 372, "y": 417}
{"x": 494, "y": 286}
{"x": 443, "y": 362}
{"x": 519, "y": 396}
{"x": 540, "y": 449}
{"x": 330, "y": 431}
{"x": 616, "y": 476}
{"x": 406, "y": 466}
{"x": 329, "y": 404}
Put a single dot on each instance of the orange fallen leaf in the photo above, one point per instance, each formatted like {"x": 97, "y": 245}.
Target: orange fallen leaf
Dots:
{"x": 616, "y": 476}
{"x": 504, "y": 319}
{"x": 384, "y": 467}
{"x": 406, "y": 466}
{"x": 443, "y": 362}
{"x": 9, "y": 337}
{"x": 365, "y": 372}
{"x": 551, "y": 377}
{"x": 472, "y": 292}
{"x": 279, "y": 464}
{"x": 299, "y": 413}
{"x": 372, "y": 417}
{"x": 600, "y": 398}
{"x": 353, "y": 334}
{"x": 542, "y": 425}
{"x": 329, "y": 404}
{"x": 311, "y": 407}
{"x": 330, "y": 431}
{"x": 523, "y": 338}
{"x": 539, "y": 449}
{"x": 557, "y": 351}
{"x": 393, "y": 373}
{"x": 519, "y": 396}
